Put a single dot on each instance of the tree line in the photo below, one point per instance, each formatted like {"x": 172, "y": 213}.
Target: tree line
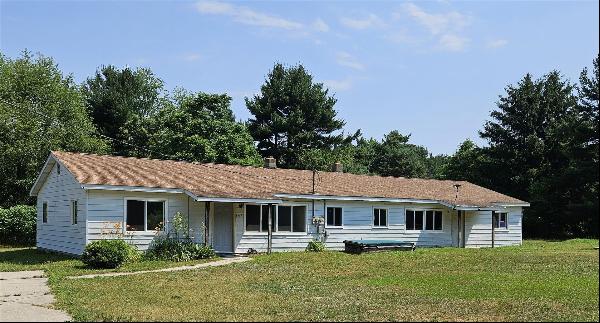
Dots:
{"x": 542, "y": 137}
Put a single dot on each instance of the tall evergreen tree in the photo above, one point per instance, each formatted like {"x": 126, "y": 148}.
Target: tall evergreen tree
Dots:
{"x": 396, "y": 157}
{"x": 291, "y": 114}
{"x": 121, "y": 101}
{"x": 529, "y": 155}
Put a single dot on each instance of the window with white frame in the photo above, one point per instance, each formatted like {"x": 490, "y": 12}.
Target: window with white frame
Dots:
{"x": 257, "y": 218}
{"x": 380, "y": 217}
{"x": 286, "y": 218}
{"x": 74, "y": 212}
{"x": 144, "y": 215}
{"x": 291, "y": 218}
{"x": 334, "y": 216}
{"x": 424, "y": 220}
{"x": 500, "y": 220}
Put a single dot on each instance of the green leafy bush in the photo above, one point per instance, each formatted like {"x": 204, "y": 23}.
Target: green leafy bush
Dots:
{"x": 108, "y": 254}
{"x": 164, "y": 248}
{"x": 18, "y": 225}
{"x": 315, "y": 246}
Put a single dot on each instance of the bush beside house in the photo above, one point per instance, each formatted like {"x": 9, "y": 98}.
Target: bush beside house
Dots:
{"x": 18, "y": 225}
{"x": 108, "y": 254}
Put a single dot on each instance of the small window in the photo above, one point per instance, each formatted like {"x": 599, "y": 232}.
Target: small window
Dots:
{"x": 257, "y": 218}
{"x": 334, "y": 216}
{"x": 58, "y": 169}
{"x": 145, "y": 215}
{"x": 380, "y": 217}
{"x": 155, "y": 215}
{"x": 253, "y": 218}
{"x": 299, "y": 218}
{"x": 74, "y": 212}
{"x": 45, "y": 212}
{"x": 500, "y": 220}
{"x": 135, "y": 215}
{"x": 438, "y": 221}
{"x": 428, "y": 220}
{"x": 284, "y": 218}
{"x": 419, "y": 220}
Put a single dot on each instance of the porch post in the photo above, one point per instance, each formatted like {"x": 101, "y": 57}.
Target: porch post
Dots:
{"x": 206, "y": 220}
{"x": 493, "y": 230}
{"x": 270, "y": 230}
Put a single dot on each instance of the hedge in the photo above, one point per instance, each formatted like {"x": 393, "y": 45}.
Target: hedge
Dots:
{"x": 18, "y": 225}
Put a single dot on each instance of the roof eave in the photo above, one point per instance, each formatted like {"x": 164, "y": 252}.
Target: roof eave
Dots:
{"x": 44, "y": 173}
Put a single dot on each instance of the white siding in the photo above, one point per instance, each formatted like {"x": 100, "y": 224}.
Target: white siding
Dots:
{"x": 108, "y": 207}
{"x": 59, "y": 233}
{"x": 357, "y": 225}
{"x": 478, "y": 229}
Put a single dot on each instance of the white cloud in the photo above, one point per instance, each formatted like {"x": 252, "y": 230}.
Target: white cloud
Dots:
{"x": 246, "y": 15}
{"x": 345, "y": 59}
{"x": 338, "y": 85}
{"x": 370, "y": 21}
{"x": 437, "y": 23}
{"x": 320, "y": 25}
{"x": 497, "y": 43}
{"x": 453, "y": 42}
{"x": 191, "y": 57}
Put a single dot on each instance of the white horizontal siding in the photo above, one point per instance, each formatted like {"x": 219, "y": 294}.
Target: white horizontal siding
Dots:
{"x": 106, "y": 208}
{"x": 59, "y": 233}
{"x": 478, "y": 229}
{"x": 357, "y": 225}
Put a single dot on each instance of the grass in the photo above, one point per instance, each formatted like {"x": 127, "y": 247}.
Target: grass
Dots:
{"x": 544, "y": 281}
{"x": 58, "y": 266}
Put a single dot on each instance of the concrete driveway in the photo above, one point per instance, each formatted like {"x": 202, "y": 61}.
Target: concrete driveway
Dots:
{"x": 25, "y": 297}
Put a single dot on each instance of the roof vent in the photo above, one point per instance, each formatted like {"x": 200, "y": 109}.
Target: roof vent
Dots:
{"x": 337, "y": 167}
{"x": 270, "y": 162}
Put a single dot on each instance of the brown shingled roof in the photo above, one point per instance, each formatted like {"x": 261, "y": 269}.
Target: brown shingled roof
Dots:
{"x": 232, "y": 181}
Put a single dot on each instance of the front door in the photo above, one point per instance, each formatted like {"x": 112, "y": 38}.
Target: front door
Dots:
{"x": 223, "y": 227}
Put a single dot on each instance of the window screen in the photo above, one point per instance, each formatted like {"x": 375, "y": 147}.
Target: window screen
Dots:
{"x": 299, "y": 218}
{"x": 252, "y": 217}
{"x": 135, "y": 215}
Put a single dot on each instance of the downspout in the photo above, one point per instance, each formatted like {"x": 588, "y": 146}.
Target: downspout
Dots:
{"x": 493, "y": 231}
{"x": 270, "y": 230}
{"x": 325, "y": 222}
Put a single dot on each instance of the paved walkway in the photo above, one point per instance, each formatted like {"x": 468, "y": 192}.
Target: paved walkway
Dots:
{"x": 217, "y": 263}
{"x": 25, "y": 297}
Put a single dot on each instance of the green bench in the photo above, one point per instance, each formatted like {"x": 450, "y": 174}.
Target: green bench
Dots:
{"x": 360, "y": 246}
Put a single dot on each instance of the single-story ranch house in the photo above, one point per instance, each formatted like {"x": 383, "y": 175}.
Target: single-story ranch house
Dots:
{"x": 236, "y": 209}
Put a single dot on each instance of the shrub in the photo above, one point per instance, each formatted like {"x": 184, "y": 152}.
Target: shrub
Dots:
{"x": 108, "y": 254}
{"x": 18, "y": 225}
{"x": 164, "y": 248}
{"x": 315, "y": 246}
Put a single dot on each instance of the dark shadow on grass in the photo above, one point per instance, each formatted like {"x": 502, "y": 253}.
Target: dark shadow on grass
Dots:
{"x": 31, "y": 257}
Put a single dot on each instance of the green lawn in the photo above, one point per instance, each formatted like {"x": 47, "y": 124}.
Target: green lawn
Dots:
{"x": 58, "y": 266}
{"x": 539, "y": 281}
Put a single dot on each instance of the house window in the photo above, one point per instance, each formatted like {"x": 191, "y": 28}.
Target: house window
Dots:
{"x": 428, "y": 220}
{"x": 257, "y": 218}
{"x": 74, "y": 212}
{"x": 500, "y": 220}
{"x": 380, "y": 217}
{"x": 143, "y": 215}
{"x": 45, "y": 212}
{"x": 291, "y": 218}
{"x": 334, "y": 216}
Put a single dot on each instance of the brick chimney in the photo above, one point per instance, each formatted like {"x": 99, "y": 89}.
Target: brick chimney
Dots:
{"x": 270, "y": 162}
{"x": 337, "y": 167}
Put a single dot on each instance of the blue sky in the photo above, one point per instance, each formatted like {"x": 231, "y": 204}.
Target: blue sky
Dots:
{"x": 432, "y": 69}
